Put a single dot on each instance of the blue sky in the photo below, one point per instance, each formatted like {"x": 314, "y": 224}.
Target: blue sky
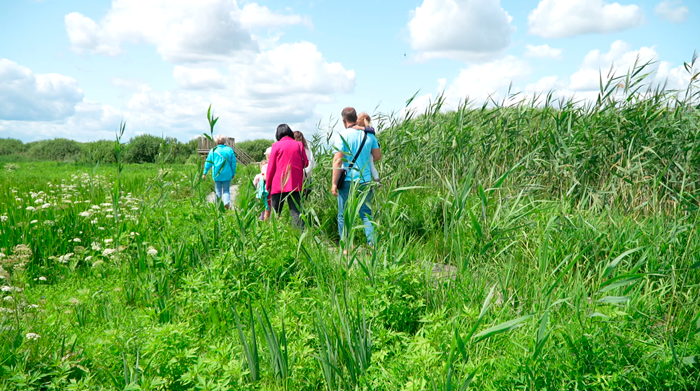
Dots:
{"x": 75, "y": 69}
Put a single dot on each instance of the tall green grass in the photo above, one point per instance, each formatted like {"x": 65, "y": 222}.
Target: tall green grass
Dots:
{"x": 537, "y": 244}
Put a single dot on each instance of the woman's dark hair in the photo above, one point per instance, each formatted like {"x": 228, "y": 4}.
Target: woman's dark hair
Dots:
{"x": 299, "y": 136}
{"x": 284, "y": 130}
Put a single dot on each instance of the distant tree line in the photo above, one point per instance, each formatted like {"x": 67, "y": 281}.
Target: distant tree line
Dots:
{"x": 142, "y": 149}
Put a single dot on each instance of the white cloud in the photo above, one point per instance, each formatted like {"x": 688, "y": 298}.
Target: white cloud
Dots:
{"x": 44, "y": 97}
{"x": 255, "y": 16}
{"x": 567, "y": 18}
{"x": 91, "y": 121}
{"x": 542, "y": 51}
{"x": 460, "y": 29}
{"x": 198, "y": 78}
{"x": 182, "y": 30}
{"x": 672, "y": 10}
{"x": 620, "y": 57}
{"x": 584, "y": 84}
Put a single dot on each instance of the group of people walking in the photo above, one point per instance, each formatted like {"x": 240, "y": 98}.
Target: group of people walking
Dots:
{"x": 286, "y": 171}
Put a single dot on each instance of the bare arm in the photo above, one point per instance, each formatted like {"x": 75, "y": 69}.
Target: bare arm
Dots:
{"x": 377, "y": 154}
{"x": 337, "y": 166}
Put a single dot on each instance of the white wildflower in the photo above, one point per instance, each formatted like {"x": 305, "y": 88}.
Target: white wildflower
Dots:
{"x": 33, "y": 336}
{"x": 39, "y": 201}
{"x": 94, "y": 221}
{"x": 84, "y": 214}
{"x": 77, "y": 240}
{"x": 35, "y": 306}
{"x": 3, "y": 218}
{"x": 46, "y": 206}
{"x": 42, "y": 278}
{"x": 8, "y": 298}
{"x": 108, "y": 251}
{"x": 152, "y": 251}
{"x": 7, "y": 288}
{"x": 106, "y": 204}
{"x": 18, "y": 199}
{"x": 88, "y": 258}
{"x": 96, "y": 207}
{"x": 33, "y": 221}
{"x": 65, "y": 258}
{"x": 109, "y": 216}
{"x": 49, "y": 222}
{"x": 2, "y": 255}
{"x": 109, "y": 241}
{"x": 101, "y": 228}
{"x": 31, "y": 208}
{"x": 96, "y": 246}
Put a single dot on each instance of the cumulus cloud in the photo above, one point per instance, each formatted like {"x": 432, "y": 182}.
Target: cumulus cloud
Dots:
{"x": 584, "y": 84}
{"x": 542, "y": 51}
{"x": 254, "y": 16}
{"x": 620, "y": 58}
{"x": 258, "y": 96}
{"x": 91, "y": 121}
{"x": 460, "y": 29}
{"x": 567, "y": 18}
{"x": 42, "y": 97}
{"x": 672, "y": 10}
{"x": 182, "y": 30}
{"x": 198, "y": 78}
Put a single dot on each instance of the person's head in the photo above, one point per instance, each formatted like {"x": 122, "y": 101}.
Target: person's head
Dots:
{"x": 284, "y": 131}
{"x": 349, "y": 116}
{"x": 299, "y": 136}
{"x": 220, "y": 139}
{"x": 364, "y": 120}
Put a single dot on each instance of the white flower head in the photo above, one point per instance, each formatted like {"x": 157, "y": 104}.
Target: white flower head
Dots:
{"x": 152, "y": 251}
{"x": 42, "y": 278}
{"x": 108, "y": 251}
{"x": 2, "y": 255}
{"x": 109, "y": 241}
{"x": 3, "y": 218}
{"x": 7, "y": 288}
{"x": 89, "y": 257}
{"x": 33, "y": 221}
{"x": 33, "y": 336}
{"x": 84, "y": 214}
{"x": 101, "y": 228}
{"x": 8, "y": 298}
{"x": 65, "y": 258}
{"x": 77, "y": 240}
{"x": 31, "y": 208}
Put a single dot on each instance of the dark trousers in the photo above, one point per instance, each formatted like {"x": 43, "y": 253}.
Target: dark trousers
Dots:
{"x": 293, "y": 199}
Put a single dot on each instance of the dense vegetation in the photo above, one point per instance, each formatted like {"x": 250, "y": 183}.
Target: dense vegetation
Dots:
{"x": 142, "y": 149}
{"x": 521, "y": 246}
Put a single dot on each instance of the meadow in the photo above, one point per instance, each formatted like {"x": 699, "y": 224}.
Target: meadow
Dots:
{"x": 531, "y": 243}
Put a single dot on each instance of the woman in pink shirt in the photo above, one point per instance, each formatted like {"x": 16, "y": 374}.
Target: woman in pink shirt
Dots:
{"x": 285, "y": 173}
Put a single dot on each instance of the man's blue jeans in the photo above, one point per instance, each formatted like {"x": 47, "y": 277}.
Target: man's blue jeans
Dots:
{"x": 223, "y": 190}
{"x": 365, "y": 211}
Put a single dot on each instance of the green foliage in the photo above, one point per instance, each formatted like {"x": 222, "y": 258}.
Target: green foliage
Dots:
{"x": 255, "y": 148}
{"x": 9, "y": 146}
{"x": 59, "y": 149}
{"x": 493, "y": 269}
{"x": 143, "y": 149}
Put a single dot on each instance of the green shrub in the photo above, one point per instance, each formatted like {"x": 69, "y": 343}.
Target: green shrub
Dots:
{"x": 143, "y": 149}
{"x": 59, "y": 149}
{"x": 99, "y": 151}
{"x": 255, "y": 148}
{"x": 9, "y": 146}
